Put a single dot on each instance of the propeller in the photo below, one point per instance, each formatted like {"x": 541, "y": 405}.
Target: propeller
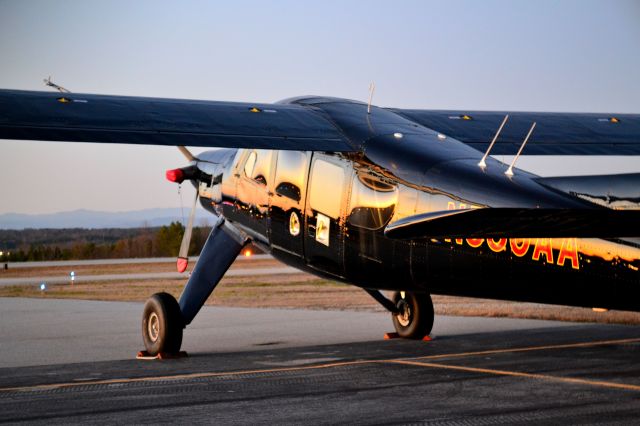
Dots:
{"x": 178, "y": 176}
{"x": 183, "y": 255}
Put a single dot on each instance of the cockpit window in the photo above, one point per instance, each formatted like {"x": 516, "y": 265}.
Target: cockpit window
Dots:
{"x": 250, "y": 164}
{"x": 258, "y": 165}
{"x": 373, "y": 201}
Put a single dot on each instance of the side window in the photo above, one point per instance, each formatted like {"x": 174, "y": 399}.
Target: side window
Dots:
{"x": 262, "y": 170}
{"x": 373, "y": 201}
{"x": 424, "y": 203}
{"x": 327, "y": 182}
{"x": 237, "y": 159}
{"x": 407, "y": 200}
{"x": 290, "y": 174}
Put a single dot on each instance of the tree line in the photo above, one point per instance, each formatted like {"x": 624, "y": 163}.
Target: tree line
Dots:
{"x": 99, "y": 244}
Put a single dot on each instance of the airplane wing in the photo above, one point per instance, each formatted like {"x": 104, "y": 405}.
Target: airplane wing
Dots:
{"x": 555, "y": 133}
{"x": 72, "y": 117}
{"x": 518, "y": 223}
{"x": 620, "y": 192}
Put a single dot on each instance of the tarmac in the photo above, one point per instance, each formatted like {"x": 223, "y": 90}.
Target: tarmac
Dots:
{"x": 69, "y": 362}
{"x": 64, "y": 279}
{"x": 80, "y": 278}
{"x": 128, "y": 261}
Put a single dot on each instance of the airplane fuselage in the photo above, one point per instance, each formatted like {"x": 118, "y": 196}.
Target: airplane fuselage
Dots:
{"x": 325, "y": 213}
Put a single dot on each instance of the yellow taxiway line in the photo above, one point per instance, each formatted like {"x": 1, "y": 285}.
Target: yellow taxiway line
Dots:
{"x": 530, "y": 348}
{"x": 416, "y": 361}
{"x": 519, "y": 374}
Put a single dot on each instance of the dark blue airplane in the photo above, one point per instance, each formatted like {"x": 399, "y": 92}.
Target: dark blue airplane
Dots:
{"x": 381, "y": 198}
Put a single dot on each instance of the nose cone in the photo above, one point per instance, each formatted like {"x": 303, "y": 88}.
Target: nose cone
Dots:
{"x": 175, "y": 175}
{"x": 184, "y": 173}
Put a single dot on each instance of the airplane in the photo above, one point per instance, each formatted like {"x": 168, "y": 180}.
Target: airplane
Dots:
{"x": 386, "y": 199}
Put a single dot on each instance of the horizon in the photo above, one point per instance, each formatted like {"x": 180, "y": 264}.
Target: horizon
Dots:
{"x": 98, "y": 219}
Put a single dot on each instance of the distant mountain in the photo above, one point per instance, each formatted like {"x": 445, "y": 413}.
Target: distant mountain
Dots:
{"x": 93, "y": 219}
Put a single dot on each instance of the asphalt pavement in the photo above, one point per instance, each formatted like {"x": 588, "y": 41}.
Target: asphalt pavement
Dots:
{"x": 71, "y": 362}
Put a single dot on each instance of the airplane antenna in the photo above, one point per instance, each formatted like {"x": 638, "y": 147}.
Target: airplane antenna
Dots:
{"x": 509, "y": 171}
{"x": 372, "y": 88}
{"x": 48, "y": 82}
{"x": 482, "y": 162}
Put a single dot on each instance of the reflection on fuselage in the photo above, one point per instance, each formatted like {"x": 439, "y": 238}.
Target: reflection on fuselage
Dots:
{"x": 326, "y": 213}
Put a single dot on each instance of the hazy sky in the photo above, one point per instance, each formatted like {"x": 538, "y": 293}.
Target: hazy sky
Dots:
{"x": 507, "y": 55}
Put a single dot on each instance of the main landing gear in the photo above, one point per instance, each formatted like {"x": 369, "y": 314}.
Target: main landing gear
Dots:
{"x": 412, "y": 313}
{"x": 415, "y": 315}
{"x": 162, "y": 324}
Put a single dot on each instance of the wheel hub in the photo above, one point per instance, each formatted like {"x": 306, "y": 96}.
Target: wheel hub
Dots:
{"x": 404, "y": 313}
{"x": 153, "y": 327}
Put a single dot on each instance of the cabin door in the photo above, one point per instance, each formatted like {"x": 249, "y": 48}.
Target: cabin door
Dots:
{"x": 287, "y": 203}
{"x": 324, "y": 229}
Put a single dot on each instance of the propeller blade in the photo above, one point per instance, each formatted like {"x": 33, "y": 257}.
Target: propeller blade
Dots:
{"x": 187, "y": 154}
{"x": 183, "y": 256}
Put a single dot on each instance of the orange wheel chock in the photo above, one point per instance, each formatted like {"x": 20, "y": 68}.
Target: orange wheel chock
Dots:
{"x": 391, "y": 336}
{"x": 144, "y": 355}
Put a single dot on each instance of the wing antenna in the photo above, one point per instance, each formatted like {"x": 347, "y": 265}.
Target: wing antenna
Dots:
{"x": 482, "y": 162}
{"x": 48, "y": 82}
{"x": 509, "y": 171}
{"x": 372, "y": 88}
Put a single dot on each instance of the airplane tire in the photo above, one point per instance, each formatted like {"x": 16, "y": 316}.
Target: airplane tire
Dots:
{"x": 415, "y": 319}
{"x": 162, "y": 324}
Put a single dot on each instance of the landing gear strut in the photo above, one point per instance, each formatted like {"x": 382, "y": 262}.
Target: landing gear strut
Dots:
{"x": 412, "y": 313}
{"x": 162, "y": 324}
{"x": 164, "y": 318}
{"x": 414, "y": 316}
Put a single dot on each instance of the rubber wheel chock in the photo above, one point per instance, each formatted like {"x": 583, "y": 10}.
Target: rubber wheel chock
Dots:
{"x": 144, "y": 355}
{"x": 391, "y": 336}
